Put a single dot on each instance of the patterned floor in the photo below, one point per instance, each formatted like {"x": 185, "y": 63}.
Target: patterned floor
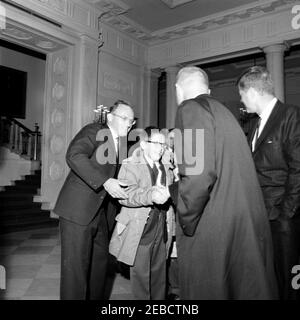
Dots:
{"x": 32, "y": 264}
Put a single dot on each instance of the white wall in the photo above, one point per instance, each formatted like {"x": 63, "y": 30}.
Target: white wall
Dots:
{"x": 122, "y": 73}
{"x": 119, "y": 79}
{"x": 35, "y": 69}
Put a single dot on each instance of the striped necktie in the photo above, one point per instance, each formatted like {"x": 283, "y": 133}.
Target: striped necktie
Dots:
{"x": 256, "y": 134}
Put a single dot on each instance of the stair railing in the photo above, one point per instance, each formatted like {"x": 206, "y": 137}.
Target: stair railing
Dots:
{"x": 19, "y": 139}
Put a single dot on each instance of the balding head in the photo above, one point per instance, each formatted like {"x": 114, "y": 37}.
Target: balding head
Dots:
{"x": 190, "y": 82}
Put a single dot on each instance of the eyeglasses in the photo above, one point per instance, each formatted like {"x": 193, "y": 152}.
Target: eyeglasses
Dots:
{"x": 124, "y": 118}
{"x": 163, "y": 145}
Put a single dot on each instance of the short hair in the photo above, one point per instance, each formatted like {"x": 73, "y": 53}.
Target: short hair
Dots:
{"x": 115, "y": 106}
{"x": 186, "y": 72}
{"x": 150, "y": 130}
{"x": 256, "y": 77}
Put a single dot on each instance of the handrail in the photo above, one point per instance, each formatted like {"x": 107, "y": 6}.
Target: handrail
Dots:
{"x": 20, "y": 125}
{"x": 19, "y": 139}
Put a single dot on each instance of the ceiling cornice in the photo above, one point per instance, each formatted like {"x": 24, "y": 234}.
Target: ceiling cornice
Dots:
{"x": 175, "y": 3}
{"x": 114, "y": 10}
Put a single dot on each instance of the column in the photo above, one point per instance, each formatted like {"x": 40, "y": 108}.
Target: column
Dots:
{"x": 153, "y": 110}
{"x": 87, "y": 79}
{"x": 171, "y": 96}
{"x": 275, "y": 65}
{"x": 149, "y": 98}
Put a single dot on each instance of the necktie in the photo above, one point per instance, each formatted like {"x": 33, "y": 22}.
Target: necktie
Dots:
{"x": 256, "y": 133}
{"x": 117, "y": 139}
{"x": 155, "y": 173}
{"x": 162, "y": 171}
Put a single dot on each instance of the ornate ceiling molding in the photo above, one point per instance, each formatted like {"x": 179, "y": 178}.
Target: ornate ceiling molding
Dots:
{"x": 29, "y": 39}
{"x": 114, "y": 16}
{"x": 175, "y": 3}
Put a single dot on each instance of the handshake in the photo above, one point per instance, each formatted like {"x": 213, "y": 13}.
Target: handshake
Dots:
{"x": 160, "y": 194}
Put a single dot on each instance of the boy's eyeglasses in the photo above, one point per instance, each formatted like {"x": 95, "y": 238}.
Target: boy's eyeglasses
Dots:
{"x": 163, "y": 145}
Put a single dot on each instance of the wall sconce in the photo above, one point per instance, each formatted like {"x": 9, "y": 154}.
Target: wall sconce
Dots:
{"x": 101, "y": 112}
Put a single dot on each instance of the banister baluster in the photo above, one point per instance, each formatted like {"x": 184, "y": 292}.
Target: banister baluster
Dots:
{"x": 12, "y": 136}
{"x": 29, "y": 150}
{"x": 18, "y": 136}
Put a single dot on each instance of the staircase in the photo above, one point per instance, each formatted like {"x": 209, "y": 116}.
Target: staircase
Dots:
{"x": 20, "y": 150}
{"x": 17, "y": 209}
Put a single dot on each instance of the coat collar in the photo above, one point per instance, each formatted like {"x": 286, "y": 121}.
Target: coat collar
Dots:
{"x": 138, "y": 158}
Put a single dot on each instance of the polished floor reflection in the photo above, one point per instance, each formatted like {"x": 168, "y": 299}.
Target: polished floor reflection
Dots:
{"x": 32, "y": 264}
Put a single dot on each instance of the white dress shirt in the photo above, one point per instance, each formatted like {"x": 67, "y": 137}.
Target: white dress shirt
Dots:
{"x": 115, "y": 138}
{"x": 264, "y": 116}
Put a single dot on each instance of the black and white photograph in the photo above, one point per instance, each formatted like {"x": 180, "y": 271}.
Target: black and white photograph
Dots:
{"x": 149, "y": 153}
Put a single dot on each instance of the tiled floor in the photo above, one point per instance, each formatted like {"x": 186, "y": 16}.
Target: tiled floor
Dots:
{"x": 32, "y": 263}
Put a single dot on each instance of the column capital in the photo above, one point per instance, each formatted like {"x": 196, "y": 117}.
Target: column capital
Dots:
{"x": 155, "y": 73}
{"x": 151, "y": 73}
{"x": 172, "y": 69}
{"x": 276, "y": 47}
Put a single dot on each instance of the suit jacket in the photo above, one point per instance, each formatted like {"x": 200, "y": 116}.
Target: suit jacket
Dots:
{"x": 224, "y": 240}
{"x": 277, "y": 161}
{"x": 83, "y": 193}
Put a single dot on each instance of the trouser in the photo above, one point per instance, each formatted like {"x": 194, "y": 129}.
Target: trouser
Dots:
{"x": 173, "y": 281}
{"x": 286, "y": 242}
{"x": 148, "y": 275}
{"x": 84, "y": 259}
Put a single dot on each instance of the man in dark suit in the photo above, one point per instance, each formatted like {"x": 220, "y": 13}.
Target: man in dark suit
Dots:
{"x": 275, "y": 144}
{"x": 84, "y": 203}
{"x": 223, "y": 238}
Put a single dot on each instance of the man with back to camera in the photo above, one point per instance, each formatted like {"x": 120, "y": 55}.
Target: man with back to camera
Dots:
{"x": 223, "y": 236}
{"x": 275, "y": 143}
{"x": 83, "y": 204}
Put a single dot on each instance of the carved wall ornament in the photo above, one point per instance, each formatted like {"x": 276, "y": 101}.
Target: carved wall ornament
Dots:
{"x": 58, "y": 91}
{"x": 45, "y": 44}
{"x": 17, "y": 34}
{"x": 121, "y": 85}
{"x": 55, "y": 170}
{"x": 56, "y": 144}
{"x": 59, "y": 66}
{"x": 57, "y": 118}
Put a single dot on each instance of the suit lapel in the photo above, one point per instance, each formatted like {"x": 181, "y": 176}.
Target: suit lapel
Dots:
{"x": 274, "y": 116}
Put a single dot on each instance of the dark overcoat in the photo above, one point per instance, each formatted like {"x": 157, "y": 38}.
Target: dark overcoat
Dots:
{"x": 224, "y": 241}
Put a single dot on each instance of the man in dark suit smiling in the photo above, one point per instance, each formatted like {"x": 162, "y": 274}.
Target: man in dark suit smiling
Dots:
{"x": 84, "y": 201}
{"x": 275, "y": 144}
